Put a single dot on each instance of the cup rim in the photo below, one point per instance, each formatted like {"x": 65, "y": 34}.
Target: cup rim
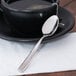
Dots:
{"x": 6, "y": 5}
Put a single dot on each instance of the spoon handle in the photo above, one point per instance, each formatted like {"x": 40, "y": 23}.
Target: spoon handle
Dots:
{"x": 28, "y": 59}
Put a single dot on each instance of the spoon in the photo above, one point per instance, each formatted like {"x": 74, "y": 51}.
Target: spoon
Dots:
{"x": 49, "y": 28}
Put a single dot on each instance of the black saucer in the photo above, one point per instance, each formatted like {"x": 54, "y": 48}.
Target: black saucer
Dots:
{"x": 8, "y": 33}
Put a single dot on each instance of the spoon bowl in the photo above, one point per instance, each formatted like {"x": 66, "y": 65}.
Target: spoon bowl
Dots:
{"x": 49, "y": 28}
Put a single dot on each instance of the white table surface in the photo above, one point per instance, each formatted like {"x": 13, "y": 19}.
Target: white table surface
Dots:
{"x": 58, "y": 55}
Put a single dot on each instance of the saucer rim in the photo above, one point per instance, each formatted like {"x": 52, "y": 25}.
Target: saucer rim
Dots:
{"x": 9, "y": 38}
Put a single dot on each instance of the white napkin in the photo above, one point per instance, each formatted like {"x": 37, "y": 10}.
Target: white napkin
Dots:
{"x": 58, "y": 55}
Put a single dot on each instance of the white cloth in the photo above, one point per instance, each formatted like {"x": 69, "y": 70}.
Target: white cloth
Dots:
{"x": 58, "y": 55}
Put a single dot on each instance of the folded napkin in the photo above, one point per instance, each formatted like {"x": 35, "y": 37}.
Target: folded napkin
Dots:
{"x": 58, "y": 55}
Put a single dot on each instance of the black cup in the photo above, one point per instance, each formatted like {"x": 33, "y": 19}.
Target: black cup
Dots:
{"x": 27, "y": 21}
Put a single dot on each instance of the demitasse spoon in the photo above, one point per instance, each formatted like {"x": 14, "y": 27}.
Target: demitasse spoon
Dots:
{"x": 49, "y": 28}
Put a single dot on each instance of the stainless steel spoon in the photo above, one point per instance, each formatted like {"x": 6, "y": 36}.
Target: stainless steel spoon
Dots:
{"x": 48, "y": 29}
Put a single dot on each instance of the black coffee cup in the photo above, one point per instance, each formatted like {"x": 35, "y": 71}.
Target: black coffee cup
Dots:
{"x": 30, "y": 20}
